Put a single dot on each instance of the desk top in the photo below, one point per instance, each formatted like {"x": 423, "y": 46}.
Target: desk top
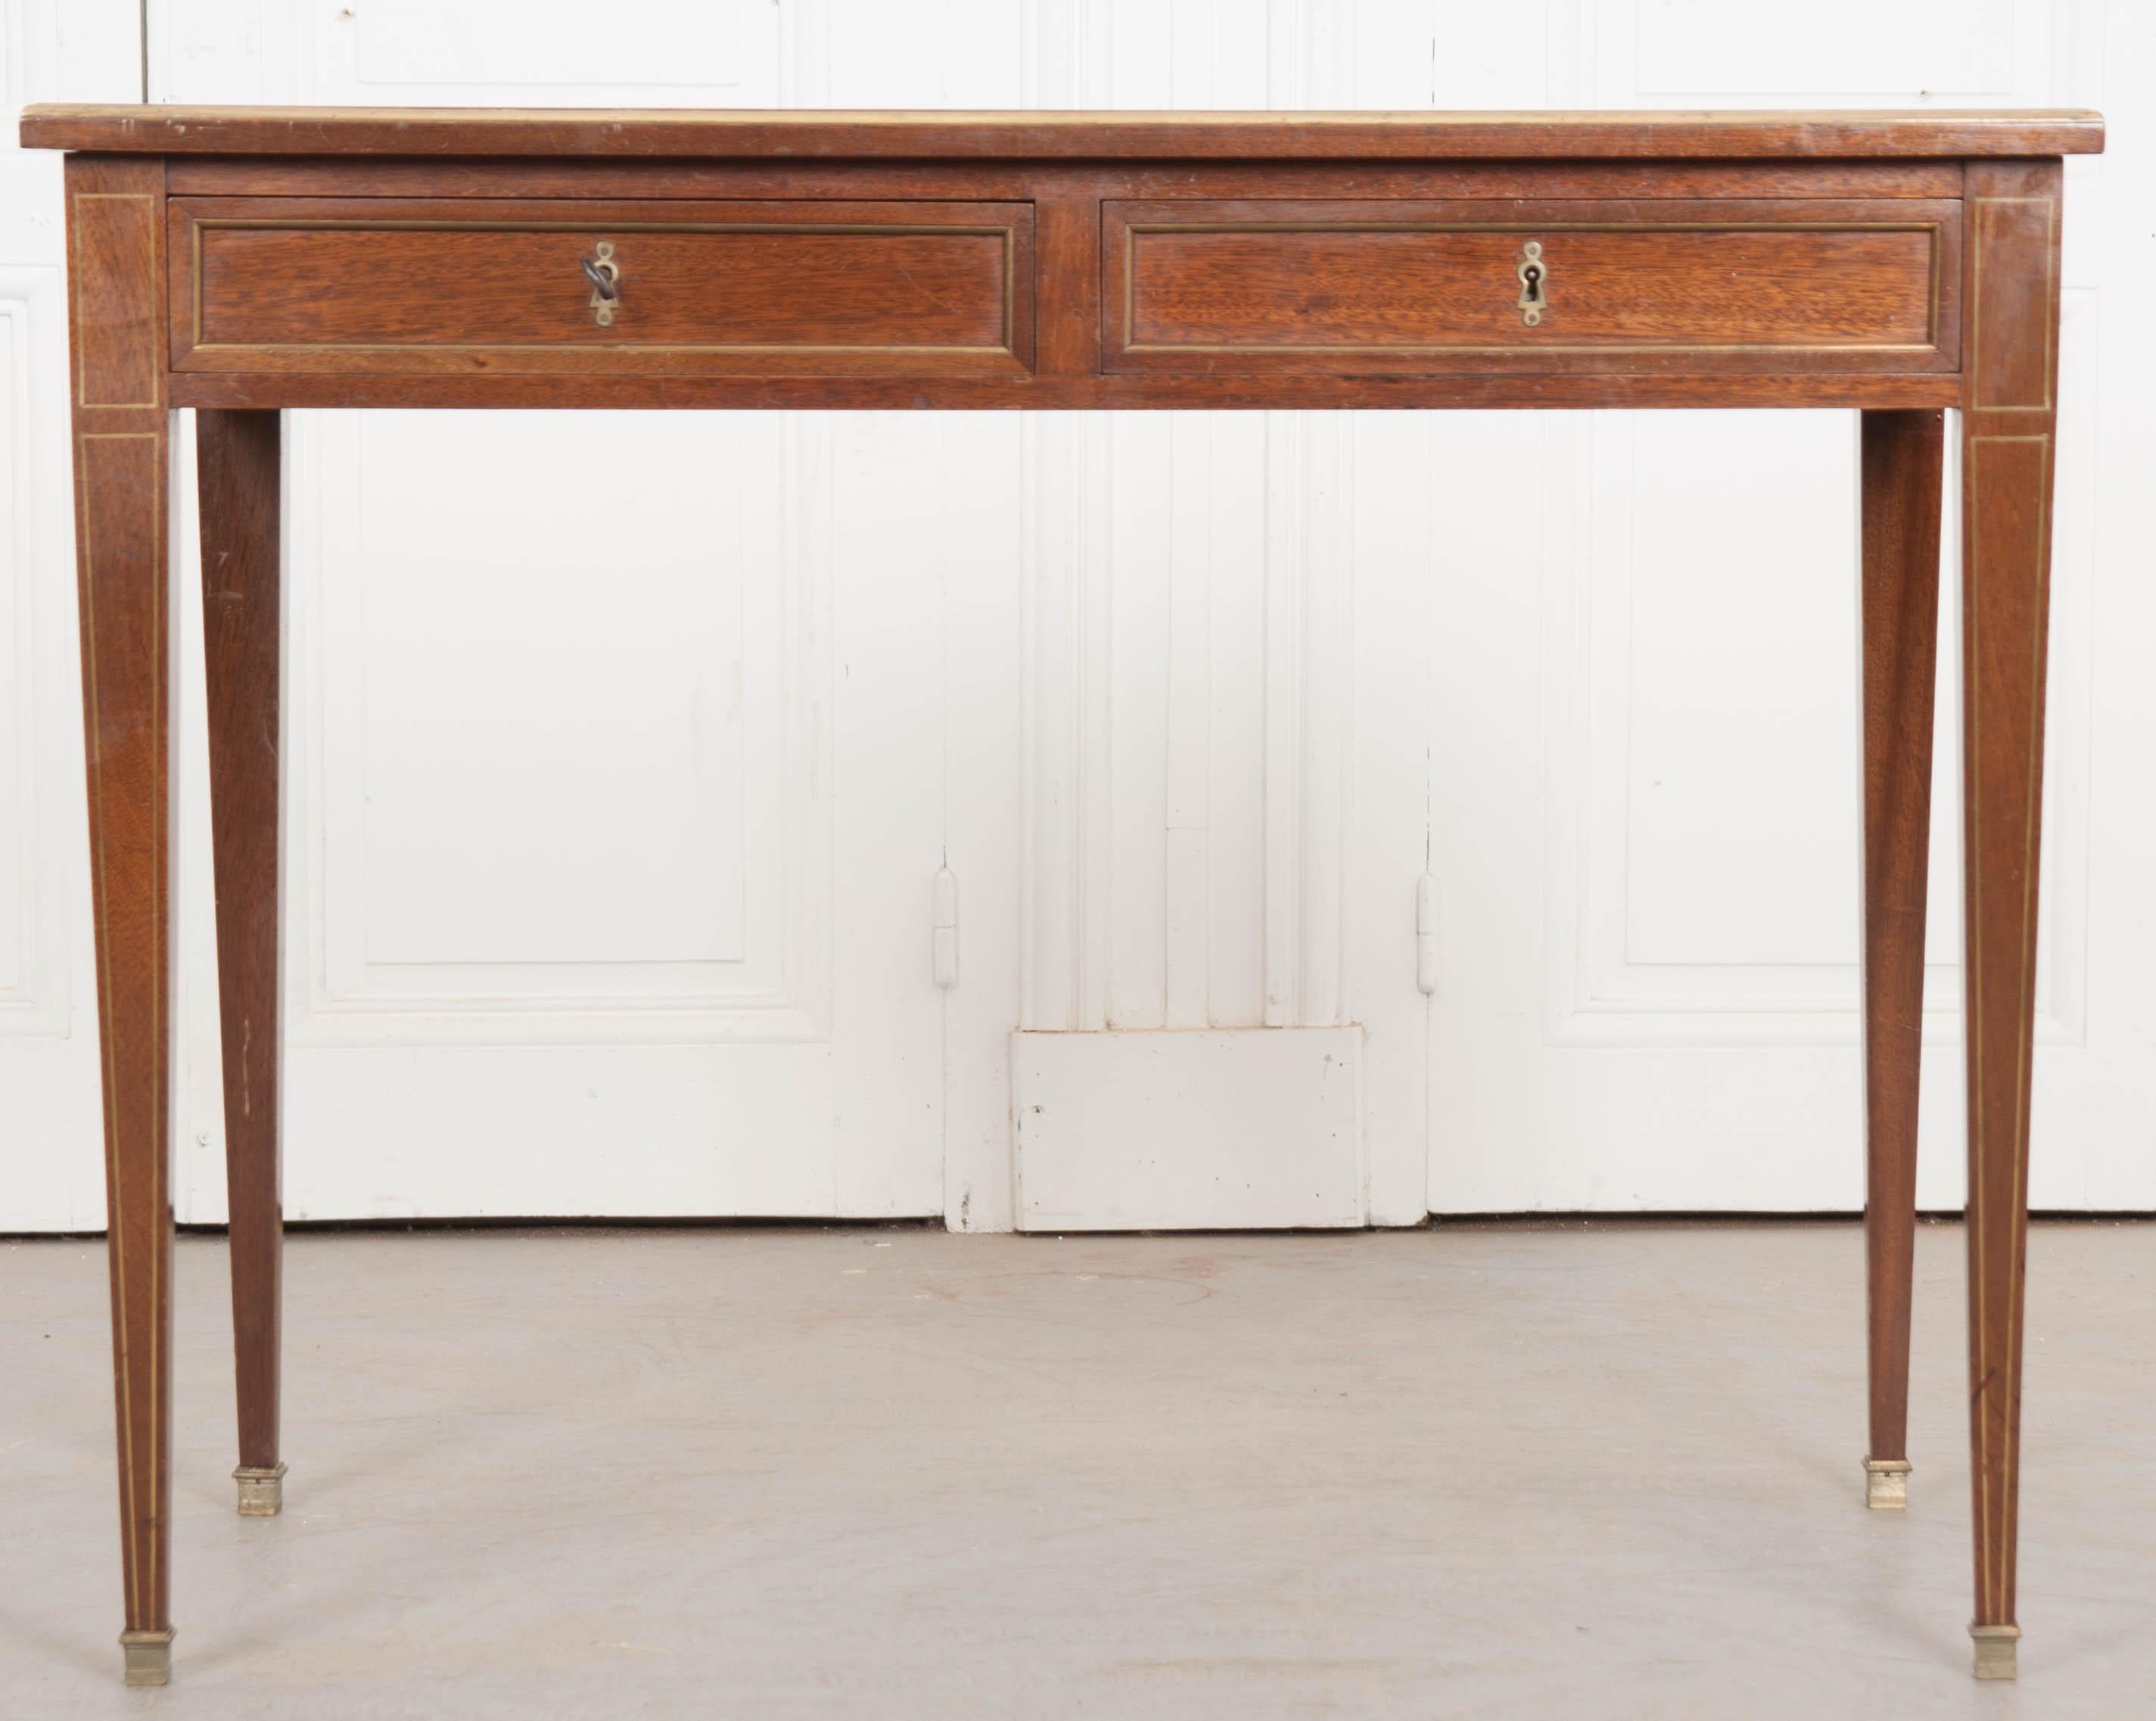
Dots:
{"x": 748, "y": 133}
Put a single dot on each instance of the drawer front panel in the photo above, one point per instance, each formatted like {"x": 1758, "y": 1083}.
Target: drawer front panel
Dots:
{"x": 1222, "y": 287}
{"x": 758, "y": 288}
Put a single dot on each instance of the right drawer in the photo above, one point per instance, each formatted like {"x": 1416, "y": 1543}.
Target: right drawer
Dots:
{"x": 1221, "y": 287}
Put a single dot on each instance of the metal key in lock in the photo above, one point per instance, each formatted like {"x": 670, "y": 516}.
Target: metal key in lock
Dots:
{"x": 1534, "y": 283}
{"x": 604, "y": 275}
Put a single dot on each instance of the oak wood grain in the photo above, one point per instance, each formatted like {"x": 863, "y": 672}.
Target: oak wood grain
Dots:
{"x": 238, "y": 459}
{"x": 1028, "y": 180}
{"x": 2008, "y": 427}
{"x": 1902, "y": 466}
{"x": 1231, "y": 135}
{"x": 279, "y": 287}
{"x": 907, "y": 287}
{"x": 1371, "y": 387}
{"x": 122, "y": 426}
{"x": 2012, "y": 291}
{"x": 112, "y": 241}
{"x": 1728, "y": 284}
{"x": 1067, "y": 238}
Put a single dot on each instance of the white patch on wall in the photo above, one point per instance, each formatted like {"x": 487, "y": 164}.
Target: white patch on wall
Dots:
{"x": 876, "y": 54}
{"x": 38, "y": 799}
{"x": 1433, "y": 53}
{"x": 1172, "y": 1131}
{"x": 1729, "y": 771}
{"x": 484, "y": 53}
{"x": 1941, "y": 48}
{"x": 554, "y": 42}
{"x": 531, "y": 654}
{"x": 17, "y": 827}
{"x": 1705, "y": 855}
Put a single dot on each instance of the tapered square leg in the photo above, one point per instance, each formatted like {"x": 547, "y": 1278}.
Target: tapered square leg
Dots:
{"x": 115, "y": 220}
{"x": 238, "y": 457}
{"x": 1904, "y": 458}
{"x": 2007, "y": 431}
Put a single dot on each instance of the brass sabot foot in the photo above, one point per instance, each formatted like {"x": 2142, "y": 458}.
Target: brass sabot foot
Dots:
{"x": 1887, "y": 1484}
{"x": 261, "y": 1492}
{"x": 1995, "y": 1651}
{"x": 149, "y": 1656}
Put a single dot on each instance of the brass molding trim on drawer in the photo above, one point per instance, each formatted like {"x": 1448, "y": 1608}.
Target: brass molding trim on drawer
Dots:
{"x": 1267, "y": 309}
{"x": 974, "y": 318}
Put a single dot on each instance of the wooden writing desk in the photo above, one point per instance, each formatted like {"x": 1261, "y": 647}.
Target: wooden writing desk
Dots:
{"x": 242, "y": 260}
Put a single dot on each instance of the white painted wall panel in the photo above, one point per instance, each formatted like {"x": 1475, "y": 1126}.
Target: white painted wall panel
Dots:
{"x": 521, "y": 654}
{"x": 1939, "y": 48}
{"x": 564, "y": 753}
{"x": 555, "y": 42}
{"x": 522, "y": 53}
{"x": 952, "y": 54}
{"x": 1738, "y": 725}
{"x": 19, "y": 874}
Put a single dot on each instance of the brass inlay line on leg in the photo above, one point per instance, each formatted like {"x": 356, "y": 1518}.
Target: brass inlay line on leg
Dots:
{"x": 1992, "y": 1573}
{"x": 1974, "y": 1216}
{"x": 141, "y": 1568}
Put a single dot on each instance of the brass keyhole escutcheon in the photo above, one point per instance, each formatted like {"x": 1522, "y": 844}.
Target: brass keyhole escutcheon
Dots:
{"x": 604, "y": 275}
{"x": 1534, "y": 284}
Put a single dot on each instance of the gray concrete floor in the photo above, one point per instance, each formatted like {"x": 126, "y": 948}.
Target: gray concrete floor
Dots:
{"x": 773, "y": 1473}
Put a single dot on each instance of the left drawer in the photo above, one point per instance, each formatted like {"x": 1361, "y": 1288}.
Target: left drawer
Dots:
{"x": 753, "y": 288}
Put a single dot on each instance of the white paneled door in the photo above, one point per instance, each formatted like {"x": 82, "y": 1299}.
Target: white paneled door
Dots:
{"x": 1338, "y": 818}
